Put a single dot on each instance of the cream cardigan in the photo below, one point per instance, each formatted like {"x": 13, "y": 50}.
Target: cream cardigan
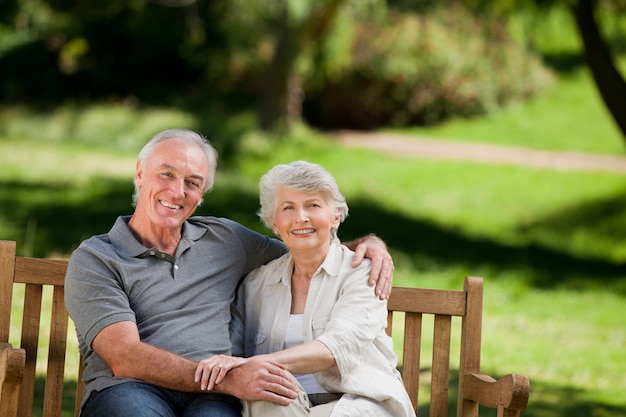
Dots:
{"x": 342, "y": 312}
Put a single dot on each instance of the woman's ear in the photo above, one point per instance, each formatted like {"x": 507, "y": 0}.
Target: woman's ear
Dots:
{"x": 336, "y": 221}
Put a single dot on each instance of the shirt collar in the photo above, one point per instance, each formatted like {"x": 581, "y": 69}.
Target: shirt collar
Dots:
{"x": 331, "y": 265}
{"x": 334, "y": 259}
{"x": 125, "y": 242}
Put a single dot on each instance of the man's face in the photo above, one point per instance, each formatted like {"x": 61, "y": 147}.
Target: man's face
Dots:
{"x": 172, "y": 183}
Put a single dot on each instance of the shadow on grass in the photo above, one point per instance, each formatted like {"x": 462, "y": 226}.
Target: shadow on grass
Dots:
{"x": 565, "y": 62}
{"x": 547, "y": 267}
{"x": 53, "y": 220}
{"x": 69, "y": 398}
{"x": 557, "y": 401}
{"x": 562, "y": 401}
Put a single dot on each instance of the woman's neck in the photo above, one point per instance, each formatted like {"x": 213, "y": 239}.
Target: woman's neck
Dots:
{"x": 305, "y": 265}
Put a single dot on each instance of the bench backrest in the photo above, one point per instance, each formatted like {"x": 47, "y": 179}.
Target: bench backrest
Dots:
{"x": 40, "y": 278}
{"x": 441, "y": 306}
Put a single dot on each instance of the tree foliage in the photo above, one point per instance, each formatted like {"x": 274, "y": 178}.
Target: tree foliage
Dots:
{"x": 591, "y": 18}
{"x": 279, "y": 55}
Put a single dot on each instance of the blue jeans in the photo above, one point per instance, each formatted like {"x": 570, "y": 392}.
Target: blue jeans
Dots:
{"x": 138, "y": 399}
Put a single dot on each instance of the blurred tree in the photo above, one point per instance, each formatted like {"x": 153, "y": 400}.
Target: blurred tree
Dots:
{"x": 154, "y": 50}
{"x": 104, "y": 49}
{"x": 288, "y": 35}
{"x": 415, "y": 67}
{"x": 608, "y": 79}
{"x": 299, "y": 26}
{"x": 157, "y": 51}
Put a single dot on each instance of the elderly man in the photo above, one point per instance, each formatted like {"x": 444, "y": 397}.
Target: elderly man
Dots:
{"x": 151, "y": 297}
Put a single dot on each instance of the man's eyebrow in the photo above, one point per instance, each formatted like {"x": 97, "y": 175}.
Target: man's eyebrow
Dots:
{"x": 198, "y": 177}
{"x": 173, "y": 168}
{"x": 168, "y": 166}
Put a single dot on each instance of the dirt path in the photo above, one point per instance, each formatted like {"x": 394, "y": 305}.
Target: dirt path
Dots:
{"x": 456, "y": 150}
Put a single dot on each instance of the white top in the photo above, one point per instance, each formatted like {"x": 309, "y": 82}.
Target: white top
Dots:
{"x": 294, "y": 338}
{"x": 341, "y": 311}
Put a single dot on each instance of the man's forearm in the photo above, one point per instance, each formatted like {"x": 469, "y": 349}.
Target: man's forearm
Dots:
{"x": 158, "y": 367}
{"x": 352, "y": 244}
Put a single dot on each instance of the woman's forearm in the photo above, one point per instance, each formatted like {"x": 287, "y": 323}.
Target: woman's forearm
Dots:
{"x": 307, "y": 358}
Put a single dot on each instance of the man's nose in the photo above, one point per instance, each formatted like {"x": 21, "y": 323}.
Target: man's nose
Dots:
{"x": 178, "y": 187}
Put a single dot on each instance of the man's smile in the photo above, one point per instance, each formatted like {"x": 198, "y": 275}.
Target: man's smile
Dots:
{"x": 170, "y": 205}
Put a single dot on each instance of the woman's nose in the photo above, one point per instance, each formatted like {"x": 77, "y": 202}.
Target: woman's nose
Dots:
{"x": 302, "y": 215}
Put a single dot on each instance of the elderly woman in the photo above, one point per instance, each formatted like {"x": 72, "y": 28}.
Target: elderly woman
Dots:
{"x": 310, "y": 311}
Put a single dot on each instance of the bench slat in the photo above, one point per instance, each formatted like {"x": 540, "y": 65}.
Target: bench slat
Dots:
{"x": 30, "y": 342}
{"x": 56, "y": 357}
{"x": 441, "y": 366}
{"x": 7, "y": 271}
{"x": 411, "y": 355}
{"x": 427, "y": 301}
{"x": 40, "y": 271}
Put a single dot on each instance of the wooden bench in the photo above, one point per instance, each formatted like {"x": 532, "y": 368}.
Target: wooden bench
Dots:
{"x": 509, "y": 395}
{"x": 18, "y": 366}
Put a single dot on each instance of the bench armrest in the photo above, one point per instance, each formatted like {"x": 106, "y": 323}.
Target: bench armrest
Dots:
{"x": 12, "y": 362}
{"x": 508, "y": 394}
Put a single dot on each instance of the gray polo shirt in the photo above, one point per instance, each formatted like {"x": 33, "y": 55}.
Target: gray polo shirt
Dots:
{"x": 180, "y": 304}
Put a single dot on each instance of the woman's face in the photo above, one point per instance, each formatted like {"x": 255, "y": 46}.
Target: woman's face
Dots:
{"x": 304, "y": 220}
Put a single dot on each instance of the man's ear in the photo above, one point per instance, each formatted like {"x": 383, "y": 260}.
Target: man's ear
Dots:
{"x": 138, "y": 173}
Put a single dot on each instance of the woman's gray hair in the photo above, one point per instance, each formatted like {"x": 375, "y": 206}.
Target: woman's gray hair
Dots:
{"x": 185, "y": 135}
{"x": 299, "y": 176}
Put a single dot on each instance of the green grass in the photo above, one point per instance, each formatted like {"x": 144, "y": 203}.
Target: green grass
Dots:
{"x": 571, "y": 117}
{"x": 548, "y": 243}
